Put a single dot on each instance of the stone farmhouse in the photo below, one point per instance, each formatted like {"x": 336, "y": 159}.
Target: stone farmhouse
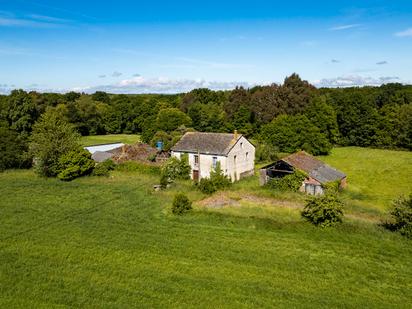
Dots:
{"x": 234, "y": 152}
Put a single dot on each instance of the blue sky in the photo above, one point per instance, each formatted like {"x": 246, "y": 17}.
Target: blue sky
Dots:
{"x": 173, "y": 46}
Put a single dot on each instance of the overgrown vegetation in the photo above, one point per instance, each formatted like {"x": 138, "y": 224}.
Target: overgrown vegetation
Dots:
{"x": 104, "y": 168}
{"x": 134, "y": 166}
{"x": 52, "y": 138}
{"x": 181, "y": 204}
{"x": 291, "y": 182}
{"x": 174, "y": 169}
{"x": 325, "y": 210}
{"x": 74, "y": 164}
{"x": 401, "y": 216}
{"x": 217, "y": 181}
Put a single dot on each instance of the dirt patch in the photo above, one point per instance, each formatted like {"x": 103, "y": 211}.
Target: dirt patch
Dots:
{"x": 219, "y": 200}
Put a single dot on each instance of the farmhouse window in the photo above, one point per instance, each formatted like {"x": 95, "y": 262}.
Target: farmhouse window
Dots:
{"x": 214, "y": 162}
{"x": 196, "y": 159}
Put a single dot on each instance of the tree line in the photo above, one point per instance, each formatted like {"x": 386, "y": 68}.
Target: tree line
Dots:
{"x": 286, "y": 117}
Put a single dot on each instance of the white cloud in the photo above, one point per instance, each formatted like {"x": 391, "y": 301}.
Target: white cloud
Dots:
{"x": 8, "y": 19}
{"x": 344, "y": 27}
{"x": 46, "y": 18}
{"x": 405, "y": 33}
{"x": 140, "y": 84}
{"x": 355, "y": 80}
{"x": 116, "y": 74}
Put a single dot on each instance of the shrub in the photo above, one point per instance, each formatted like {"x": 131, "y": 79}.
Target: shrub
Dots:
{"x": 175, "y": 169}
{"x": 206, "y": 186}
{"x": 74, "y": 164}
{"x": 164, "y": 180}
{"x": 152, "y": 157}
{"x": 103, "y": 168}
{"x": 290, "y": 182}
{"x": 217, "y": 181}
{"x": 401, "y": 215}
{"x": 100, "y": 170}
{"x": 181, "y": 204}
{"x": 332, "y": 187}
{"x": 133, "y": 166}
{"x": 325, "y": 210}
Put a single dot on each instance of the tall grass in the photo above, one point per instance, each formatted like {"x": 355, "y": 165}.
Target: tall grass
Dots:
{"x": 111, "y": 242}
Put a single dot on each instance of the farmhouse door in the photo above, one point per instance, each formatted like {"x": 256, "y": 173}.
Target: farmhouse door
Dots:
{"x": 196, "y": 175}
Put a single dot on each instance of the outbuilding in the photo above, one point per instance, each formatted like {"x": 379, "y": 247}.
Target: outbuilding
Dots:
{"x": 318, "y": 172}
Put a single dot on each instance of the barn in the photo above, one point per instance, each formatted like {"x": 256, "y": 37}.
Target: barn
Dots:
{"x": 234, "y": 152}
{"x": 319, "y": 173}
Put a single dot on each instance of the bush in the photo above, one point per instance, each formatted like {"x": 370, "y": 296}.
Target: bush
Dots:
{"x": 133, "y": 166}
{"x": 75, "y": 164}
{"x": 332, "y": 187}
{"x": 217, "y": 181}
{"x": 175, "y": 169}
{"x": 152, "y": 157}
{"x": 100, "y": 170}
{"x": 291, "y": 182}
{"x": 103, "y": 168}
{"x": 325, "y": 210}
{"x": 401, "y": 215}
{"x": 206, "y": 186}
{"x": 181, "y": 204}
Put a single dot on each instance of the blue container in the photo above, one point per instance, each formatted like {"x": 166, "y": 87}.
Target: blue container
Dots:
{"x": 159, "y": 145}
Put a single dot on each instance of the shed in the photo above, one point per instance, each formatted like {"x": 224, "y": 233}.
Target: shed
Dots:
{"x": 319, "y": 173}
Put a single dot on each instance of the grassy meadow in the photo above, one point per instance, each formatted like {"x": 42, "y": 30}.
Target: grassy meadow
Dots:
{"x": 375, "y": 177}
{"x": 109, "y": 138}
{"x": 112, "y": 242}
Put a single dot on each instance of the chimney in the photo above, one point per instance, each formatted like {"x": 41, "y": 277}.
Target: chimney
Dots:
{"x": 235, "y": 135}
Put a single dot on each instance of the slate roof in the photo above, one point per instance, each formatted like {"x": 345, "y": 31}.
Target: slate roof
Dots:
{"x": 314, "y": 167}
{"x": 206, "y": 143}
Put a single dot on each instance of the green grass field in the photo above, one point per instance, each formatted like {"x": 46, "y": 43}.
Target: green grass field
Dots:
{"x": 110, "y": 138}
{"x": 112, "y": 242}
{"x": 375, "y": 176}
